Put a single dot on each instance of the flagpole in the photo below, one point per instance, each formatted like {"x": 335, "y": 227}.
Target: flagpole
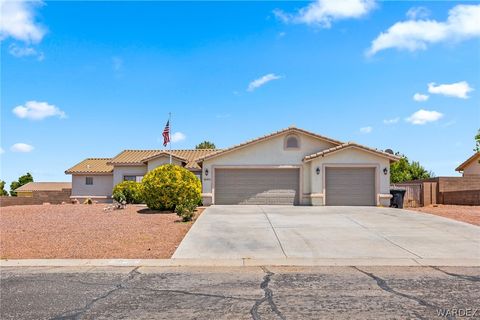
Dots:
{"x": 170, "y": 136}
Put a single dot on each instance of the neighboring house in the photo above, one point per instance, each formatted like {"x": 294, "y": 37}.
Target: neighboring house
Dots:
{"x": 34, "y": 193}
{"x": 471, "y": 166}
{"x": 290, "y": 167}
{"x": 29, "y": 189}
{"x": 95, "y": 177}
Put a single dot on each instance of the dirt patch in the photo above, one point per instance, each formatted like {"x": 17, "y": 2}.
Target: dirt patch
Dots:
{"x": 469, "y": 214}
{"x": 87, "y": 231}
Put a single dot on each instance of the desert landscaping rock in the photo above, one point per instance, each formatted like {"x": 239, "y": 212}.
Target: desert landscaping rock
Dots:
{"x": 87, "y": 231}
{"x": 469, "y": 214}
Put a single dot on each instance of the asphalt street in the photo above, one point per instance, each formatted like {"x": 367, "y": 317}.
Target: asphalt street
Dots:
{"x": 240, "y": 293}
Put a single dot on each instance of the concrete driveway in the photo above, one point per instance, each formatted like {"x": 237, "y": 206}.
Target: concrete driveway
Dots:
{"x": 283, "y": 232}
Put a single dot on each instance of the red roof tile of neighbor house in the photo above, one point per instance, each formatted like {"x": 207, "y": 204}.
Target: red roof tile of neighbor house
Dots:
{"x": 268, "y": 136}
{"x": 351, "y": 145}
{"x": 139, "y": 157}
{"x": 91, "y": 166}
{"x": 44, "y": 186}
{"x": 468, "y": 161}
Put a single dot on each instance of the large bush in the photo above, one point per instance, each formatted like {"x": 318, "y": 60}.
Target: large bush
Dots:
{"x": 169, "y": 185}
{"x": 131, "y": 190}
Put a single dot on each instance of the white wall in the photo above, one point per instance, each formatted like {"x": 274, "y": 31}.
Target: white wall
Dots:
{"x": 269, "y": 152}
{"x": 120, "y": 171}
{"x": 157, "y": 162}
{"x": 102, "y": 186}
{"x": 352, "y": 157}
{"x": 473, "y": 168}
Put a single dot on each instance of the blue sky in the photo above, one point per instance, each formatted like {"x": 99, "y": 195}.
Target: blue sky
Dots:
{"x": 89, "y": 79}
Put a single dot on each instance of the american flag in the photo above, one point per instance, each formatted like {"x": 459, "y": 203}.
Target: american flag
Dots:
{"x": 166, "y": 134}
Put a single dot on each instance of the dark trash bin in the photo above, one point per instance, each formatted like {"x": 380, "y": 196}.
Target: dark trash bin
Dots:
{"x": 397, "y": 198}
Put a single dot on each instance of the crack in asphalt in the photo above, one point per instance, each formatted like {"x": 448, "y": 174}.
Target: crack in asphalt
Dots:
{"x": 268, "y": 296}
{"x": 210, "y": 295}
{"x": 382, "y": 284}
{"x": 77, "y": 313}
{"x": 456, "y": 275}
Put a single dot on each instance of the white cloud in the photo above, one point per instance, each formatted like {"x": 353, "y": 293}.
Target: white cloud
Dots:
{"x": 26, "y": 51}
{"x": 420, "y": 97}
{"x": 457, "y": 90}
{"x": 423, "y": 116}
{"x": 2, "y": 151}
{"x": 35, "y": 110}
{"x": 257, "y": 83}
{"x": 17, "y": 20}
{"x": 366, "y": 129}
{"x": 418, "y": 13}
{"x": 21, "y": 147}
{"x": 323, "y": 12}
{"x": 391, "y": 121}
{"x": 461, "y": 24}
{"x": 178, "y": 136}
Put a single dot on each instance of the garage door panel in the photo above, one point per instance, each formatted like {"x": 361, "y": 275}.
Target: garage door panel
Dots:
{"x": 256, "y": 186}
{"x": 350, "y": 186}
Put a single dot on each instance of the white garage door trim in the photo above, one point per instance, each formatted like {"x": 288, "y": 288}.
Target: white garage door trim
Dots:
{"x": 351, "y": 165}
{"x": 300, "y": 175}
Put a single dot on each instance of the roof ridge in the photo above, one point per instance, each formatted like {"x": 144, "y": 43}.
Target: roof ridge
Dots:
{"x": 278, "y": 132}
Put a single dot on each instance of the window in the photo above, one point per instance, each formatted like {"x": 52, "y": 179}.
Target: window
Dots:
{"x": 291, "y": 142}
{"x": 89, "y": 181}
{"x": 133, "y": 178}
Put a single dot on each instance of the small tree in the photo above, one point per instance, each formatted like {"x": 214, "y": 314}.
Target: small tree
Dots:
{"x": 477, "y": 142}
{"x": 169, "y": 185}
{"x": 205, "y": 145}
{"x": 3, "y": 192}
{"x": 404, "y": 170}
{"x": 26, "y": 178}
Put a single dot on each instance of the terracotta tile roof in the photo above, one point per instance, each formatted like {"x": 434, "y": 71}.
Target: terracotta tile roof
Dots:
{"x": 467, "y": 162}
{"x": 45, "y": 186}
{"x": 92, "y": 165}
{"x": 137, "y": 157}
{"x": 268, "y": 136}
{"x": 350, "y": 145}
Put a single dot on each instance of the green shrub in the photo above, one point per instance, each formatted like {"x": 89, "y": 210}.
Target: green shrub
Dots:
{"x": 186, "y": 210}
{"x": 119, "y": 197}
{"x": 169, "y": 185}
{"x": 131, "y": 190}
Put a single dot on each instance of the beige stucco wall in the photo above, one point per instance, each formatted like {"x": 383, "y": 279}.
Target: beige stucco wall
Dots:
{"x": 157, "y": 162}
{"x": 269, "y": 152}
{"x": 473, "y": 168}
{"x": 102, "y": 186}
{"x": 354, "y": 158}
{"x": 120, "y": 171}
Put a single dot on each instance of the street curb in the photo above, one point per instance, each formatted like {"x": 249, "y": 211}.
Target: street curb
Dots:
{"x": 289, "y": 262}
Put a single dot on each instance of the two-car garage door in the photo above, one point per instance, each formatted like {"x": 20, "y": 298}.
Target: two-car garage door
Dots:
{"x": 257, "y": 186}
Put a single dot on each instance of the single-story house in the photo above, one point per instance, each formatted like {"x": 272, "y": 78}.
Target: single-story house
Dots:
{"x": 28, "y": 190}
{"x": 471, "y": 166}
{"x": 291, "y": 167}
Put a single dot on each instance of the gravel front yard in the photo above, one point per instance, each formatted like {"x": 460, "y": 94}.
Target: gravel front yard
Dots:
{"x": 86, "y": 231}
{"x": 469, "y": 214}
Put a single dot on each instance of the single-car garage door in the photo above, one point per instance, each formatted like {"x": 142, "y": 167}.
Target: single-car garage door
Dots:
{"x": 350, "y": 186}
{"x": 256, "y": 186}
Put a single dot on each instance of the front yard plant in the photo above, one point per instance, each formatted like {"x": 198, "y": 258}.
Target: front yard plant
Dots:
{"x": 168, "y": 186}
{"x": 131, "y": 190}
{"x": 186, "y": 210}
